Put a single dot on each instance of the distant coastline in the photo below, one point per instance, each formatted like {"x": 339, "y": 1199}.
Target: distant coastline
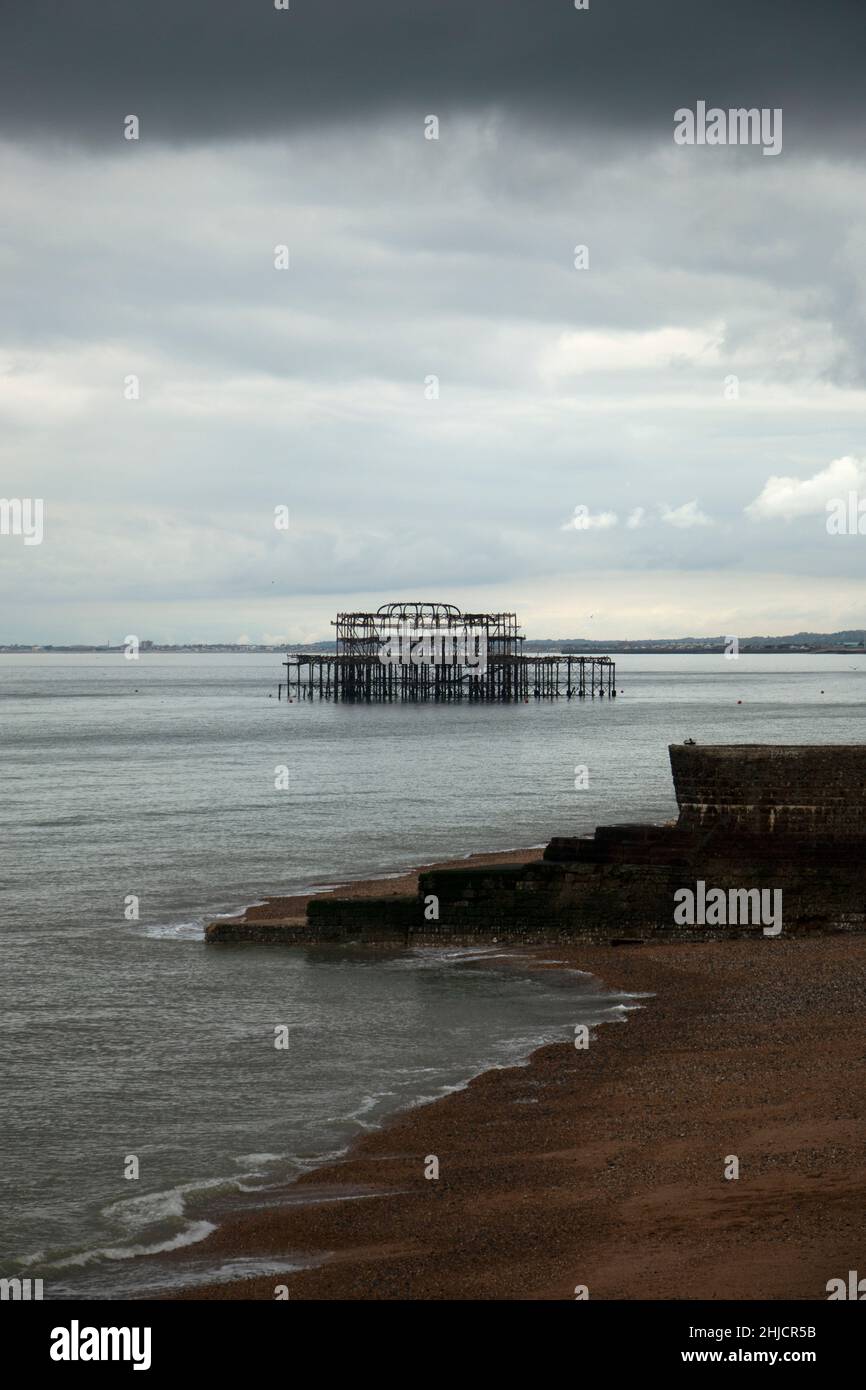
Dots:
{"x": 845, "y": 643}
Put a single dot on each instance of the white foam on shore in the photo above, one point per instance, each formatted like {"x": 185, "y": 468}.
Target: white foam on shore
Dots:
{"x": 157, "y": 1223}
{"x": 195, "y": 1232}
{"x": 245, "y": 1267}
{"x": 135, "y": 1216}
{"x": 174, "y": 931}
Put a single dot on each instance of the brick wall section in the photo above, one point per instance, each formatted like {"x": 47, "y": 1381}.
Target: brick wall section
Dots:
{"x": 330, "y": 921}
{"x": 397, "y": 914}
{"x": 301, "y": 933}
{"x": 790, "y": 789}
{"x": 609, "y": 892}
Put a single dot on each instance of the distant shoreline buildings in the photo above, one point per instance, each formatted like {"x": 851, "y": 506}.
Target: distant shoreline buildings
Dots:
{"x": 849, "y": 641}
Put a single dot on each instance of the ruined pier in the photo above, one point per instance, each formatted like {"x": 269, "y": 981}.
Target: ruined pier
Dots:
{"x": 424, "y": 651}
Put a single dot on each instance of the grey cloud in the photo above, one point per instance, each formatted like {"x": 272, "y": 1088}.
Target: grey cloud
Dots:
{"x": 559, "y": 387}
{"x": 204, "y": 69}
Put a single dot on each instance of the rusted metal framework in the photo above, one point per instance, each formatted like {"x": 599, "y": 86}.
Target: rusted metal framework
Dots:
{"x": 357, "y": 671}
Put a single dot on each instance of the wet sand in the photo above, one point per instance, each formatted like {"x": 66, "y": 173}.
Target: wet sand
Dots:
{"x": 606, "y": 1167}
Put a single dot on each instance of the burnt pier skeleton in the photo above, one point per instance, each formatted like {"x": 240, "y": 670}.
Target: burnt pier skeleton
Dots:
{"x": 357, "y": 672}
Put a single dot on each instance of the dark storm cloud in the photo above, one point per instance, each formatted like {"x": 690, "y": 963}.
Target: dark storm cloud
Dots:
{"x": 208, "y": 69}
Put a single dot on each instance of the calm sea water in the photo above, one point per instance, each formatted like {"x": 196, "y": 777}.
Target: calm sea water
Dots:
{"x": 156, "y": 779}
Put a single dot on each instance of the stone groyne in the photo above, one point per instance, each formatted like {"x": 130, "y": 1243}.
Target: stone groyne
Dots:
{"x": 789, "y": 819}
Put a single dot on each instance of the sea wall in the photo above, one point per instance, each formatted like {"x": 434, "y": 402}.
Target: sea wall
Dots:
{"x": 620, "y": 884}
{"x": 790, "y": 789}
{"x": 789, "y": 819}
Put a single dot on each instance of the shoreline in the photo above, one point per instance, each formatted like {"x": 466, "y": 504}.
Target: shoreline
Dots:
{"x": 605, "y": 1167}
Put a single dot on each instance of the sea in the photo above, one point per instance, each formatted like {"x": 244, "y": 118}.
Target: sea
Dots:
{"x": 142, "y": 1084}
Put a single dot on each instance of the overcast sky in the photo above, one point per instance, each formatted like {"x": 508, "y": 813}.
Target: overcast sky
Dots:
{"x": 699, "y": 389}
